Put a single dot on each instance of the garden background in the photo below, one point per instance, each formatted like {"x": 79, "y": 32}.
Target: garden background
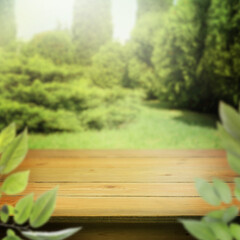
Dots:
{"x": 77, "y": 87}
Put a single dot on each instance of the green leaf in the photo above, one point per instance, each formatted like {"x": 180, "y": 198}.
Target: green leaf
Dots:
{"x": 230, "y": 213}
{"x": 59, "y": 235}
{"x": 235, "y": 231}
{"x": 230, "y": 119}
{"x": 237, "y": 193}
{"x": 234, "y": 162}
{"x": 216, "y": 215}
{"x": 14, "y": 153}
{"x": 237, "y": 182}
{"x": 10, "y": 232}
{"x": 207, "y": 192}
{"x": 43, "y": 208}
{"x": 222, "y": 190}
{"x": 221, "y": 230}
{"x": 12, "y": 238}
{"x": 15, "y": 183}
{"x": 237, "y": 188}
{"x": 4, "y": 213}
{"x": 223, "y": 215}
{"x": 228, "y": 142}
{"x": 23, "y": 209}
{"x": 7, "y": 135}
{"x": 11, "y": 210}
{"x": 199, "y": 229}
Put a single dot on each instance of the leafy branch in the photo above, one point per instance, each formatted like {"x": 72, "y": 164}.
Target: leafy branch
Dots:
{"x": 219, "y": 225}
{"x": 13, "y": 150}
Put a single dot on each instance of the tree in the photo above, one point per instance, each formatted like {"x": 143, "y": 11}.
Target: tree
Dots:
{"x": 221, "y": 60}
{"x": 92, "y": 27}
{"x": 177, "y": 52}
{"x": 153, "y": 6}
{"x": 54, "y": 45}
{"x": 7, "y": 22}
{"x": 151, "y": 15}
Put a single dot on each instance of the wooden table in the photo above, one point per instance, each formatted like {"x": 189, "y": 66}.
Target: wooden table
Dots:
{"x": 138, "y": 193}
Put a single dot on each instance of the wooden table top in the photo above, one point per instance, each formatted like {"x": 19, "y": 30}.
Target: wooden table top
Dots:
{"x": 124, "y": 183}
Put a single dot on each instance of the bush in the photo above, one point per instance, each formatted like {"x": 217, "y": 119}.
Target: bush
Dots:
{"x": 37, "y": 118}
{"x": 45, "y": 97}
{"x": 54, "y": 45}
{"x": 109, "y": 66}
{"x": 118, "y": 107}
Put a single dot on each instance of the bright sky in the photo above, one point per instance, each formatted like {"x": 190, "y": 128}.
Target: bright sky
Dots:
{"x": 34, "y": 16}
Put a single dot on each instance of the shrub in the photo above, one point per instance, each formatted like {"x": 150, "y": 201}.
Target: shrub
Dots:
{"x": 54, "y": 45}
{"x": 37, "y": 118}
{"x": 109, "y": 66}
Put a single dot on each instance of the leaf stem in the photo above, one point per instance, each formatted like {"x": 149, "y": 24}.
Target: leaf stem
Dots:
{"x": 13, "y": 226}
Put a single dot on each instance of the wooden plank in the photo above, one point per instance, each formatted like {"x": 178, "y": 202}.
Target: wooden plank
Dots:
{"x": 128, "y": 175}
{"x": 124, "y": 153}
{"x": 116, "y": 189}
{"x": 124, "y": 184}
{"x": 155, "y": 207}
{"x": 172, "y": 162}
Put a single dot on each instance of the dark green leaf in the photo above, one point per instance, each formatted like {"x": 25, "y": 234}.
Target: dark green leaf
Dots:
{"x": 59, "y": 235}
{"x": 14, "y": 154}
{"x": 4, "y": 213}
{"x": 23, "y": 209}
{"x": 15, "y": 183}
{"x": 43, "y": 208}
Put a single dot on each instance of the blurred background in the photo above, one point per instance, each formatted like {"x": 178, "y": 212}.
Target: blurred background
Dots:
{"x": 118, "y": 74}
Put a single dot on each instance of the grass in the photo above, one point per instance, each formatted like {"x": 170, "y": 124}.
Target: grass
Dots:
{"x": 156, "y": 127}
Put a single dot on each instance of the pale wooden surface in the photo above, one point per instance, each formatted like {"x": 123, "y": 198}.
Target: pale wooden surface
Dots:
{"x": 124, "y": 183}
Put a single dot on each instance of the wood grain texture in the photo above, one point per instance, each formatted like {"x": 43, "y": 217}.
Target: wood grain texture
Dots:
{"x": 124, "y": 184}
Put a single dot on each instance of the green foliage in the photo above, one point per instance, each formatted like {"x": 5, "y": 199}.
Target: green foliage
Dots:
{"x": 92, "y": 27}
{"x": 141, "y": 72}
{"x": 36, "y": 212}
{"x": 54, "y": 45}
{"x": 217, "y": 225}
{"x": 177, "y": 52}
{"x": 7, "y": 22}
{"x": 14, "y": 153}
{"x": 15, "y": 183}
{"x": 195, "y": 54}
{"x": 220, "y": 61}
{"x": 23, "y": 209}
{"x": 109, "y": 66}
{"x": 43, "y": 208}
{"x": 153, "y": 5}
{"x": 45, "y": 97}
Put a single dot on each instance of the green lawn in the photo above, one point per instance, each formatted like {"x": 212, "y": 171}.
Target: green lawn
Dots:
{"x": 154, "y": 128}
